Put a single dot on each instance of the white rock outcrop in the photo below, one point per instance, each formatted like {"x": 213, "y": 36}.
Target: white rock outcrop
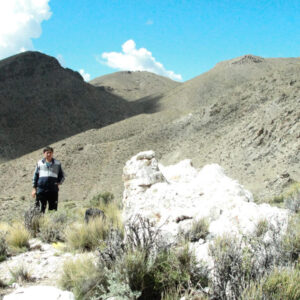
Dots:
{"x": 38, "y": 293}
{"x": 167, "y": 195}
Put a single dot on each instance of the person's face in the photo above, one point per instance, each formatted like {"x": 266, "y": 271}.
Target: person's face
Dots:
{"x": 48, "y": 155}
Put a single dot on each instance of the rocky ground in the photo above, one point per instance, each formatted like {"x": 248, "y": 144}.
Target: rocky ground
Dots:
{"x": 43, "y": 262}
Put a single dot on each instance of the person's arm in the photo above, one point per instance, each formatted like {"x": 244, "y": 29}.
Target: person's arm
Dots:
{"x": 61, "y": 176}
{"x": 34, "y": 181}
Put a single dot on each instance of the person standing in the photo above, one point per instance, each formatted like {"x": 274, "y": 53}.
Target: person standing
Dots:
{"x": 47, "y": 177}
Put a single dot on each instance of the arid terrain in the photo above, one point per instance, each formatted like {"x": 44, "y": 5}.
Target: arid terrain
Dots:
{"x": 243, "y": 114}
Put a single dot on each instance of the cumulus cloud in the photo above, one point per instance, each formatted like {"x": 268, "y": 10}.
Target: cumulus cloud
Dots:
{"x": 133, "y": 59}
{"x": 20, "y": 22}
{"x": 86, "y": 76}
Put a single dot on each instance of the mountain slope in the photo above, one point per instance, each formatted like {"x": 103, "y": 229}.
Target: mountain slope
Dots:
{"x": 41, "y": 103}
{"x": 134, "y": 85}
{"x": 244, "y": 114}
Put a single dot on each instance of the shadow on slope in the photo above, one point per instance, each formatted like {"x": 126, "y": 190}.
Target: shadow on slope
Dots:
{"x": 42, "y": 103}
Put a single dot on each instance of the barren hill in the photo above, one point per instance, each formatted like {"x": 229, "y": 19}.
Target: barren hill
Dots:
{"x": 134, "y": 85}
{"x": 41, "y": 103}
{"x": 244, "y": 114}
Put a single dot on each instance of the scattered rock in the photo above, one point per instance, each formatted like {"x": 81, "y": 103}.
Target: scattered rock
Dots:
{"x": 180, "y": 190}
{"x": 92, "y": 213}
{"x": 38, "y": 293}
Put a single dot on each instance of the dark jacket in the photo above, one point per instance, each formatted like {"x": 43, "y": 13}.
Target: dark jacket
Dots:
{"x": 46, "y": 178}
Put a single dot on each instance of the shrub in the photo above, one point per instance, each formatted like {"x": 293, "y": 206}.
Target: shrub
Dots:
{"x": 21, "y": 274}
{"x": 168, "y": 270}
{"x": 116, "y": 288}
{"x": 141, "y": 268}
{"x": 199, "y": 230}
{"x": 52, "y": 226}
{"x": 149, "y": 266}
{"x": 18, "y": 237}
{"x": 82, "y": 277}
{"x": 111, "y": 208}
{"x": 289, "y": 199}
{"x": 292, "y": 200}
{"x": 229, "y": 272}
{"x": 3, "y": 285}
{"x": 102, "y": 199}
{"x": 113, "y": 214}
{"x": 32, "y": 220}
{"x": 291, "y": 239}
{"x": 82, "y": 236}
{"x": 181, "y": 294}
{"x": 261, "y": 228}
{"x": 3, "y": 247}
{"x": 279, "y": 284}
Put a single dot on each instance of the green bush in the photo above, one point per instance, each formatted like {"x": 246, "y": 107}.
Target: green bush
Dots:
{"x": 116, "y": 288}
{"x": 141, "y": 268}
{"x": 167, "y": 270}
{"x": 278, "y": 285}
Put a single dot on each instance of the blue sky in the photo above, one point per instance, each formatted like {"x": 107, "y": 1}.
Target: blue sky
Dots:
{"x": 178, "y": 39}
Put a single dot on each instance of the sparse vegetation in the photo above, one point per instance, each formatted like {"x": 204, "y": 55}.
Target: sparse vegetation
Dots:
{"x": 291, "y": 239}
{"x": 289, "y": 199}
{"x": 111, "y": 208}
{"x": 292, "y": 200}
{"x": 3, "y": 247}
{"x": 279, "y": 284}
{"x": 82, "y": 277}
{"x": 141, "y": 268}
{"x": 261, "y": 228}
{"x": 87, "y": 237}
{"x": 3, "y": 285}
{"x": 32, "y": 220}
{"x": 17, "y": 238}
{"x": 53, "y": 225}
{"x": 150, "y": 266}
{"x": 21, "y": 274}
{"x": 102, "y": 199}
{"x": 199, "y": 230}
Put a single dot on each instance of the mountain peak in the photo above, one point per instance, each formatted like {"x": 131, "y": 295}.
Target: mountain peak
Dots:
{"x": 247, "y": 59}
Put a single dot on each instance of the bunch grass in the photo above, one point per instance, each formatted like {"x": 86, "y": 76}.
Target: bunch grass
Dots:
{"x": 17, "y": 238}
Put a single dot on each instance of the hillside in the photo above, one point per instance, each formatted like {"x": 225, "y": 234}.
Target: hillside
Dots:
{"x": 244, "y": 114}
{"x": 134, "y": 85}
{"x": 42, "y": 103}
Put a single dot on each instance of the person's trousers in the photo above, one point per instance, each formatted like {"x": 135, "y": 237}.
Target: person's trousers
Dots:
{"x": 48, "y": 197}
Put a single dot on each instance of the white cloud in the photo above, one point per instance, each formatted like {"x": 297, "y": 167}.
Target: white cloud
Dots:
{"x": 133, "y": 59}
{"x": 86, "y": 76}
{"x": 149, "y": 22}
{"x": 20, "y": 22}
